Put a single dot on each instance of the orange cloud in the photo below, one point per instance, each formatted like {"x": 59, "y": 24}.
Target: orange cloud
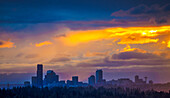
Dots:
{"x": 168, "y": 44}
{"x": 43, "y": 43}
{"x": 76, "y": 37}
{"x": 6, "y": 44}
{"x": 138, "y": 40}
{"x": 128, "y": 35}
{"x": 128, "y": 48}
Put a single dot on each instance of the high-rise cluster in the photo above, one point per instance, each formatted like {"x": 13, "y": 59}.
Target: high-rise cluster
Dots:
{"x": 98, "y": 80}
{"x": 51, "y": 80}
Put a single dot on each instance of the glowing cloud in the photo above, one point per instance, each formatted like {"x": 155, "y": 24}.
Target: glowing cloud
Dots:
{"x": 6, "y": 44}
{"x": 76, "y": 37}
{"x": 138, "y": 41}
{"x": 129, "y": 35}
{"x": 43, "y": 43}
{"x": 128, "y": 48}
{"x": 168, "y": 44}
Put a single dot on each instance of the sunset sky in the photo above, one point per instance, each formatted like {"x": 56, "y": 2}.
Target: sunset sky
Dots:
{"x": 76, "y": 37}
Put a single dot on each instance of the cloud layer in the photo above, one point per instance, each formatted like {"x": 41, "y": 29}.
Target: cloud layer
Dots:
{"x": 129, "y": 35}
{"x": 6, "y": 44}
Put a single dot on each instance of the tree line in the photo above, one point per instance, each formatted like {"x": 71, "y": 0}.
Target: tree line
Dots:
{"x": 80, "y": 92}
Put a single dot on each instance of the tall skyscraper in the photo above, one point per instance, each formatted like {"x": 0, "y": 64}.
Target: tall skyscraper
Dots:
{"x": 51, "y": 77}
{"x": 39, "y": 75}
{"x": 75, "y": 80}
{"x": 99, "y": 76}
{"x": 91, "y": 80}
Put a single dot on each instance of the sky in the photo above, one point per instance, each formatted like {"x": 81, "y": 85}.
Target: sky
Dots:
{"x": 124, "y": 38}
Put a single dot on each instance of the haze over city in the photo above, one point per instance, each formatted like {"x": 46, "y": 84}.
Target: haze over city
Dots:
{"x": 124, "y": 38}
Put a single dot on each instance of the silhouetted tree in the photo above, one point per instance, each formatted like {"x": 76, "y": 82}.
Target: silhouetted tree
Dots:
{"x": 80, "y": 92}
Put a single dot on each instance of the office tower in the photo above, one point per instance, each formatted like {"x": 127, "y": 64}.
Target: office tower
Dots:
{"x": 150, "y": 82}
{"x": 146, "y": 79}
{"x": 91, "y": 80}
{"x": 39, "y": 75}
{"x": 69, "y": 82}
{"x": 75, "y": 80}
{"x": 51, "y": 77}
{"x": 34, "y": 81}
{"x": 136, "y": 79}
{"x": 99, "y": 76}
{"x": 26, "y": 83}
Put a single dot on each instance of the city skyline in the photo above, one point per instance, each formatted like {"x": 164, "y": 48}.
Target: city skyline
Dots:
{"x": 124, "y": 38}
{"x": 51, "y": 79}
{"x": 29, "y": 78}
{"x": 97, "y": 79}
{"x": 70, "y": 77}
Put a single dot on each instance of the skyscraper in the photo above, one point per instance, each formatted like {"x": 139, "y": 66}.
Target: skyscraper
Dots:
{"x": 75, "y": 80}
{"x": 39, "y": 75}
{"x": 136, "y": 78}
{"x": 51, "y": 77}
{"x": 91, "y": 80}
{"x": 99, "y": 76}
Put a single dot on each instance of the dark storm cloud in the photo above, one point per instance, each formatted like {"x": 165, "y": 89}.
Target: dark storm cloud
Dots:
{"x": 134, "y": 55}
{"x": 26, "y": 15}
{"x": 127, "y": 59}
{"x": 156, "y": 13}
{"x": 126, "y": 63}
{"x": 161, "y": 20}
{"x": 144, "y": 10}
{"x": 61, "y": 59}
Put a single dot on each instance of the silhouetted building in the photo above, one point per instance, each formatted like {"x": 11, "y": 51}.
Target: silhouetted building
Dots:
{"x": 120, "y": 82}
{"x": 150, "y": 82}
{"x": 34, "y": 81}
{"x": 91, "y": 80}
{"x": 75, "y": 80}
{"x": 124, "y": 81}
{"x": 39, "y": 75}
{"x": 136, "y": 78}
{"x": 51, "y": 77}
{"x": 99, "y": 76}
{"x": 26, "y": 83}
{"x": 69, "y": 82}
{"x": 139, "y": 81}
{"x": 146, "y": 79}
{"x": 62, "y": 81}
